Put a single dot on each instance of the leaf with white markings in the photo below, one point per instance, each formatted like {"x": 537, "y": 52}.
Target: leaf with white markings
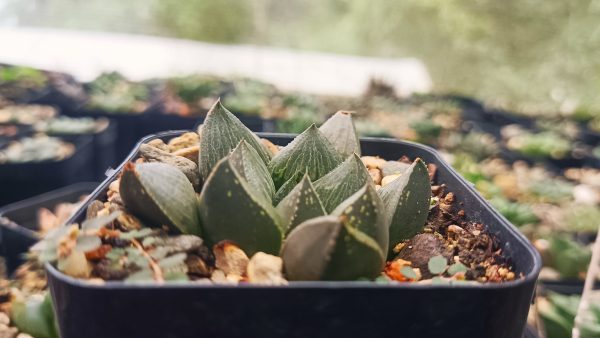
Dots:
{"x": 231, "y": 210}
{"x": 342, "y": 182}
{"x": 249, "y": 165}
{"x": 340, "y": 131}
{"x": 221, "y": 133}
{"x": 301, "y": 204}
{"x": 407, "y": 202}
{"x": 160, "y": 194}
{"x": 310, "y": 152}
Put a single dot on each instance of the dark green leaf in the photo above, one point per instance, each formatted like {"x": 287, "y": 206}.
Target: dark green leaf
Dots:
{"x": 310, "y": 152}
{"x": 365, "y": 212}
{"x": 340, "y": 131}
{"x": 230, "y": 211}
{"x": 250, "y": 166}
{"x": 407, "y": 200}
{"x": 287, "y": 187}
{"x": 221, "y": 133}
{"x": 162, "y": 195}
{"x": 301, "y": 204}
{"x": 342, "y": 182}
{"x": 326, "y": 248}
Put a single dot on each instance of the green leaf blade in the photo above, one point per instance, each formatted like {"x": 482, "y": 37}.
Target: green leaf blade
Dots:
{"x": 407, "y": 202}
{"x": 301, "y": 204}
{"x": 342, "y": 182}
{"x": 221, "y": 133}
{"x": 250, "y": 166}
{"x": 310, "y": 152}
{"x": 340, "y": 131}
{"x": 254, "y": 224}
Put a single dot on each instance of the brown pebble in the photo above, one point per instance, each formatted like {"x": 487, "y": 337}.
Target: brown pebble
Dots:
{"x": 376, "y": 176}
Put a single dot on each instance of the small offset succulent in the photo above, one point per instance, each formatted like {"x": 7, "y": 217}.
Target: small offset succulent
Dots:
{"x": 312, "y": 202}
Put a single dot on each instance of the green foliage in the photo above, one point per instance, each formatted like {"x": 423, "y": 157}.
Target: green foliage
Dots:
{"x": 112, "y": 92}
{"x": 34, "y": 316}
{"x": 583, "y": 218}
{"x": 568, "y": 257}
{"x": 517, "y": 213}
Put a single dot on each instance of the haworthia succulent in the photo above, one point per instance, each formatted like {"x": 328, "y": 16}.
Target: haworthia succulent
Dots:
{"x": 309, "y": 152}
{"x": 340, "y": 131}
{"x": 221, "y": 133}
{"x": 328, "y": 248}
{"x": 230, "y": 210}
{"x": 249, "y": 165}
{"x": 160, "y": 194}
{"x": 301, "y": 204}
{"x": 342, "y": 182}
{"x": 364, "y": 211}
{"x": 407, "y": 202}
{"x": 287, "y": 187}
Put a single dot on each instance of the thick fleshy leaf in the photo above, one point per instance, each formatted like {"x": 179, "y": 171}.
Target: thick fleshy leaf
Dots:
{"x": 407, "y": 202}
{"x": 160, "y": 194}
{"x": 287, "y": 187}
{"x": 301, "y": 204}
{"x": 328, "y": 248}
{"x": 342, "y": 182}
{"x": 340, "y": 131}
{"x": 249, "y": 165}
{"x": 365, "y": 212}
{"x": 221, "y": 133}
{"x": 231, "y": 211}
{"x": 310, "y": 152}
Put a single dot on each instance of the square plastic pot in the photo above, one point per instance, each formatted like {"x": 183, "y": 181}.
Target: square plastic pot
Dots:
{"x": 311, "y": 309}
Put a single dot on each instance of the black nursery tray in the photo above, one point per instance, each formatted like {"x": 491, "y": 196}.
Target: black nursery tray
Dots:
{"x": 310, "y": 309}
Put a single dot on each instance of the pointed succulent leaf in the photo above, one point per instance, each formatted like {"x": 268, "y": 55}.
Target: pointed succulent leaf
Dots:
{"x": 160, "y": 194}
{"x": 287, "y": 187}
{"x": 407, "y": 202}
{"x": 340, "y": 131}
{"x": 309, "y": 152}
{"x": 301, "y": 204}
{"x": 221, "y": 133}
{"x": 365, "y": 212}
{"x": 253, "y": 223}
{"x": 250, "y": 166}
{"x": 328, "y": 248}
{"x": 342, "y": 182}
{"x": 88, "y": 243}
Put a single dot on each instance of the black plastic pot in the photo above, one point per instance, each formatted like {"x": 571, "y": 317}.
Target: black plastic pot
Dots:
{"x": 104, "y": 148}
{"x": 310, "y": 309}
{"x": 18, "y": 231}
{"x": 19, "y": 181}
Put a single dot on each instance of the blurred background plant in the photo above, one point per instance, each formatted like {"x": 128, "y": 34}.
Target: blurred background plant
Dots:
{"x": 532, "y": 56}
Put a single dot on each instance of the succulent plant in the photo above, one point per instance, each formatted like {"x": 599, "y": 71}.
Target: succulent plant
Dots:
{"x": 326, "y": 220}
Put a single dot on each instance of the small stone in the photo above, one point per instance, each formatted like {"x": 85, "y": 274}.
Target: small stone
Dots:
{"x": 388, "y": 179}
{"x": 272, "y": 148}
{"x": 230, "y": 258}
{"x": 8, "y": 332}
{"x": 185, "y": 140}
{"x": 4, "y": 318}
{"x": 197, "y": 266}
{"x": 376, "y": 176}
{"x": 188, "y": 167}
{"x": 377, "y": 187}
{"x": 158, "y": 144}
{"x": 23, "y": 335}
{"x": 372, "y": 162}
{"x": 265, "y": 269}
{"x": 191, "y": 153}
